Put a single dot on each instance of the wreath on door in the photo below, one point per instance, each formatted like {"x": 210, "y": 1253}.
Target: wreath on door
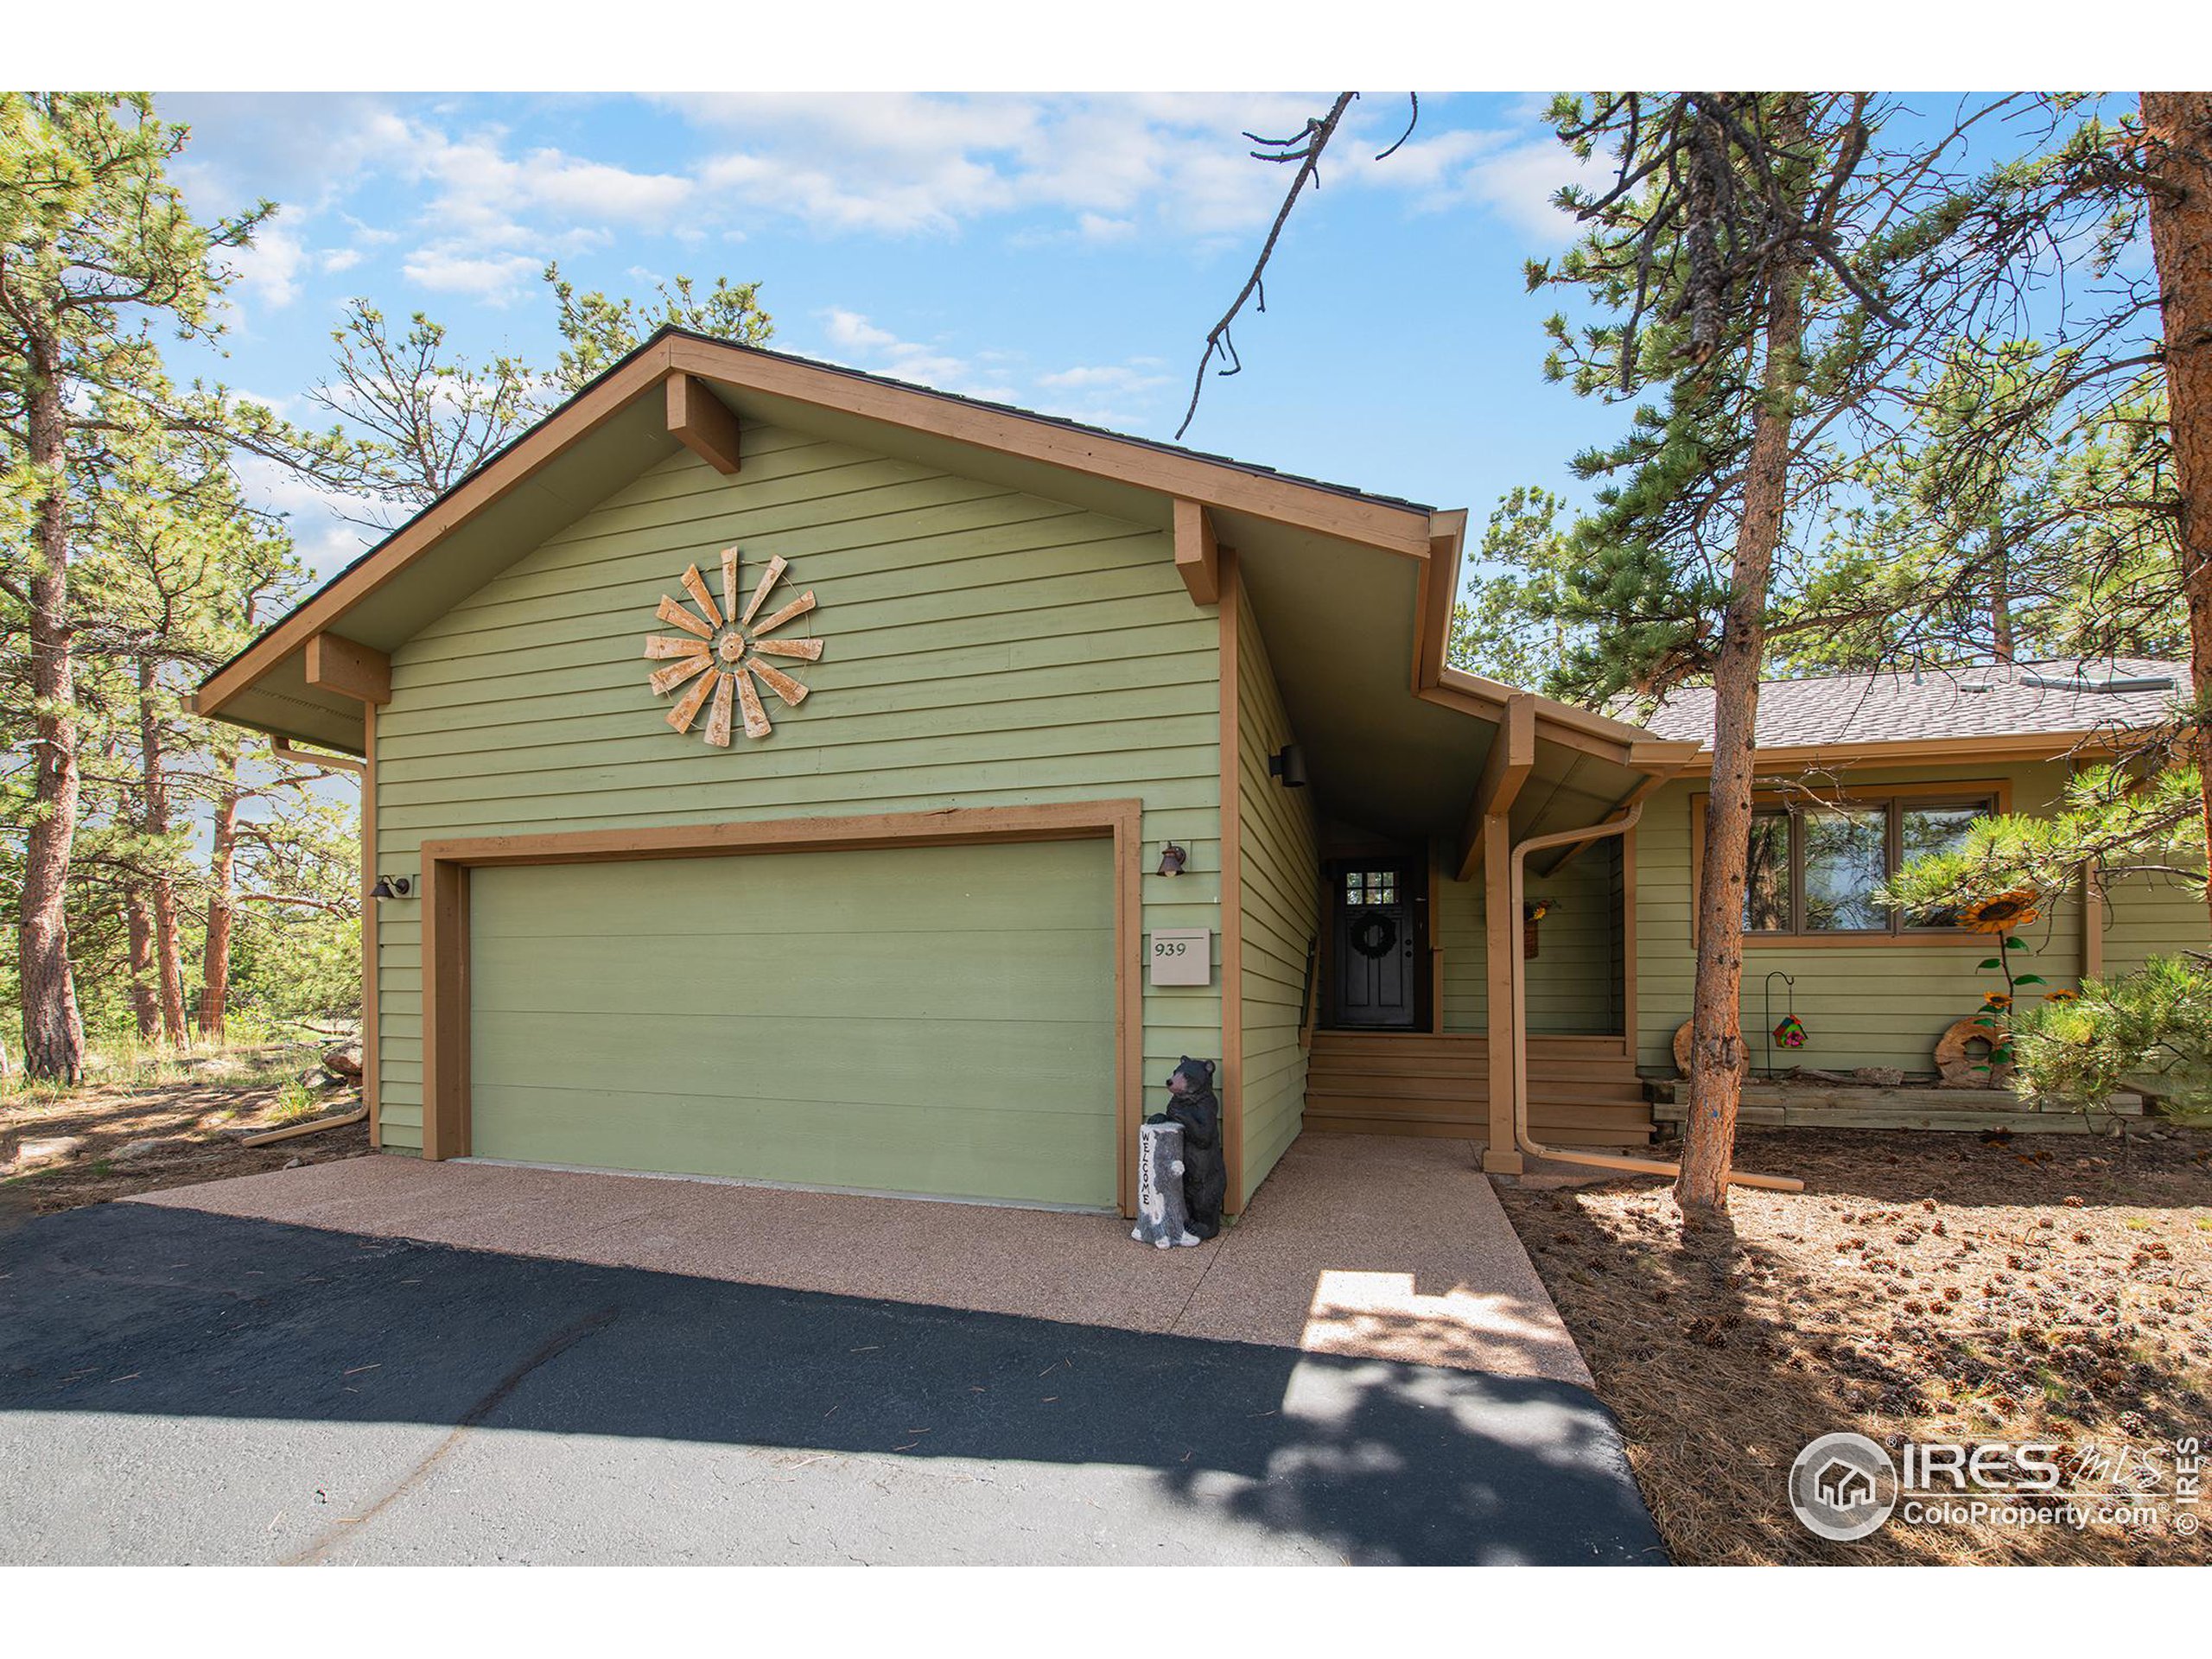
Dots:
{"x": 1375, "y": 937}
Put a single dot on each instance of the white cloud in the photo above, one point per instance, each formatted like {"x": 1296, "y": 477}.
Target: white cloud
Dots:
{"x": 270, "y": 266}
{"x": 335, "y": 260}
{"x": 884, "y": 352}
{"x": 1120, "y": 377}
{"x": 493, "y": 277}
{"x": 914, "y": 164}
{"x": 853, "y": 332}
{"x": 323, "y": 539}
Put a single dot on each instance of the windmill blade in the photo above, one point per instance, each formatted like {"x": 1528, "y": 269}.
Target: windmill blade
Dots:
{"x": 807, "y": 651}
{"x": 718, "y": 722}
{"x": 661, "y": 645}
{"x": 667, "y": 679}
{"x": 730, "y": 581}
{"x": 777, "y": 681}
{"x": 798, "y": 606}
{"x": 687, "y": 709}
{"x": 672, "y": 613}
{"x": 696, "y": 585}
{"x": 756, "y": 717}
{"x": 776, "y": 566}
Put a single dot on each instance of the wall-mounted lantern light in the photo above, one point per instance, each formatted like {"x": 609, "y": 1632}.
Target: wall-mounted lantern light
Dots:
{"x": 1288, "y": 763}
{"x": 391, "y": 887}
{"x": 1172, "y": 860}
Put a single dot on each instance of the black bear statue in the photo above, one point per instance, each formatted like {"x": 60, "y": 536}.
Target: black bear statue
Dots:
{"x": 1205, "y": 1178}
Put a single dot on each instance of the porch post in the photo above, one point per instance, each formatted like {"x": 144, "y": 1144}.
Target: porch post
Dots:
{"x": 1501, "y": 936}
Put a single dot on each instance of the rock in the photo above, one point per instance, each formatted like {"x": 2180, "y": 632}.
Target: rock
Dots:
{"x": 132, "y": 1150}
{"x": 217, "y": 1066}
{"x": 1881, "y": 1076}
{"x": 33, "y": 1153}
{"x": 343, "y": 1061}
{"x": 294, "y": 1163}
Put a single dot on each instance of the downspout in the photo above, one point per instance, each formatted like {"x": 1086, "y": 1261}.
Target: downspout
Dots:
{"x": 1516, "y": 1025}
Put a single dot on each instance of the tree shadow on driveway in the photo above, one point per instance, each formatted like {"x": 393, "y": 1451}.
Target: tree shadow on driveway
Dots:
{"x": 145, "y": 1324}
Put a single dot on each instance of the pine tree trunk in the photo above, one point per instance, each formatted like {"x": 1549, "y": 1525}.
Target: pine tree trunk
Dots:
{"x": 2179, "y": 126}
{"x": 146, "y": 1007}
{"x": 222, "y": 903}
{"x": 154, "y": 780}
{"x": 2000, "y": 596}
{"x": 1718, "y": 1056}
{"x": 54, "y": 1034}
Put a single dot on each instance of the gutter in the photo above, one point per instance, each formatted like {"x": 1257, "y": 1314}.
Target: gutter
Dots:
{"x": 1516, "y": 1025}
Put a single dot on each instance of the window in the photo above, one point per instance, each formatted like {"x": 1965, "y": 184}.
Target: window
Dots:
{"x": 1370, "y": 886}
{"x": 1817, "y": 869}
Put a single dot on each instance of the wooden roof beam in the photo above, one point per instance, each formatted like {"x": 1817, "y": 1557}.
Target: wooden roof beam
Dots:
{"x": 1512, "y": 757}
{"x": 1197, "y": 552}
{"x": 702, "y": 423}
{"x": 348, "y": 668}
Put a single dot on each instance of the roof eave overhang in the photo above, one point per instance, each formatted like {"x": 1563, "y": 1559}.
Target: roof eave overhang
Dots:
{"x": 1562, "y": 724}
{"x": 1392, "y": 527}
{"x": 1939, "y": 751}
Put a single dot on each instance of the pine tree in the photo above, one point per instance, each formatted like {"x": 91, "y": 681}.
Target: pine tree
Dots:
{"x": 1763, "y": 278}
{"x": 96, "y": 244}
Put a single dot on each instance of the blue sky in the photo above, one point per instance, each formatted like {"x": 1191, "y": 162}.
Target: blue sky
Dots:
{"x": 1064, "y": 254}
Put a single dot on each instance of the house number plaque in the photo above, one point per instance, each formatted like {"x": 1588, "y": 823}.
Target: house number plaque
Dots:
{"x": 1182, "y": 956}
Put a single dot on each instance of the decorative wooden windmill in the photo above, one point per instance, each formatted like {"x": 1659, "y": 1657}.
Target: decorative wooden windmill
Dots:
{"x": 721, "y": 651}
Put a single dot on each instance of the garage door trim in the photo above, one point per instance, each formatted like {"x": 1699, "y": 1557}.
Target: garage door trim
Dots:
{"x": 446, "y": 864}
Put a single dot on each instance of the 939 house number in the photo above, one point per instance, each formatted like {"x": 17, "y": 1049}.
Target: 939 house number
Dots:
{"x": 1182, "y": 956}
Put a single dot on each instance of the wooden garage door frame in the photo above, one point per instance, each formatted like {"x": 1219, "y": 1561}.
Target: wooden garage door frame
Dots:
{"x": 446, "y": 864}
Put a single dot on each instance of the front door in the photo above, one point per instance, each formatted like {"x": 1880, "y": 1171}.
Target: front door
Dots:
{"x": 1376, "y": 974}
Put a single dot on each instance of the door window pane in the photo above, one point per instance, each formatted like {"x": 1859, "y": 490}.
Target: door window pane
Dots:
{"x": 1371, "y": 886}
{"x": 1847, "y": 858}
{"x": 1766, "y": 887}
{"x": 1925, "y": 829}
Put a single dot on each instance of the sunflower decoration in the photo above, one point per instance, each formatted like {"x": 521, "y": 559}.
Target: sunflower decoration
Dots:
{"x": 723, "y": 649}
{"x": 1996, "y": 1002}
{"x": 2002, "y": 912}
{"x": 2062, "y": 994}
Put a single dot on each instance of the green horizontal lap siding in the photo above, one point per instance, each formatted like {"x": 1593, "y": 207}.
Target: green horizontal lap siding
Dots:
{"x": 932, "y": 1019}
{"x": 982, "y": 648}
{"x": 1574, "y": 983}
{"x": 2150, "y": 913}
{"x": 1278, "y": 910}
{"x": 1878, "y": 1004}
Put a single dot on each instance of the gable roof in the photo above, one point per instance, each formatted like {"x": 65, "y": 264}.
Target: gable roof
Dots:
{"x": 1970, "y": 710}
{"x": 613, "y": 428}
{"x": 1316, "y": 544}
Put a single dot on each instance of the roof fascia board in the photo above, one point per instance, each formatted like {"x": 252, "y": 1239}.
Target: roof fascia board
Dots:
{"x": 1966, "y": 751}
{"x": 1372, "y": 524}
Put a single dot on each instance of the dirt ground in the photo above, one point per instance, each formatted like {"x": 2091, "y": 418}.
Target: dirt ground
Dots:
{"x": 193, "y": 1123}
{"x": 1925, "y": 1286}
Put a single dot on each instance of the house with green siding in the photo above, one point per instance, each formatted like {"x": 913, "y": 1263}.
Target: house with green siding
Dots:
{"x": 779, "y": 774}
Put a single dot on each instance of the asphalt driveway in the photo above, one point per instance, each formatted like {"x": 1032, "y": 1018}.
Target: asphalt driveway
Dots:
{"x": 182, "y": 1386}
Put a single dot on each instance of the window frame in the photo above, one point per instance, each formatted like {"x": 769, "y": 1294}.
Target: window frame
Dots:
{"x": 1988, "y": 796}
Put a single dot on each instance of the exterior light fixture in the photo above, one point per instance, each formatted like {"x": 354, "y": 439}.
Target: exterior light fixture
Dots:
{"x": 391, "y": 887}
{"x": 1172, "y": 860}
{"x": 1288, "y": 763}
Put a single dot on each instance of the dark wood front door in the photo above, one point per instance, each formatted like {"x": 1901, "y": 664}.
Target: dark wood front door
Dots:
{"x": 1376, "y": 977}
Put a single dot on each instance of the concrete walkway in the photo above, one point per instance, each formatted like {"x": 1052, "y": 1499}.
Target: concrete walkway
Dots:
{"x": 1357, "y": 1246}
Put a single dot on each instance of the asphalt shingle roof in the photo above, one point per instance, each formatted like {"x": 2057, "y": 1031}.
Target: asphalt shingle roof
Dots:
{"x": 1996, "y": 700}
